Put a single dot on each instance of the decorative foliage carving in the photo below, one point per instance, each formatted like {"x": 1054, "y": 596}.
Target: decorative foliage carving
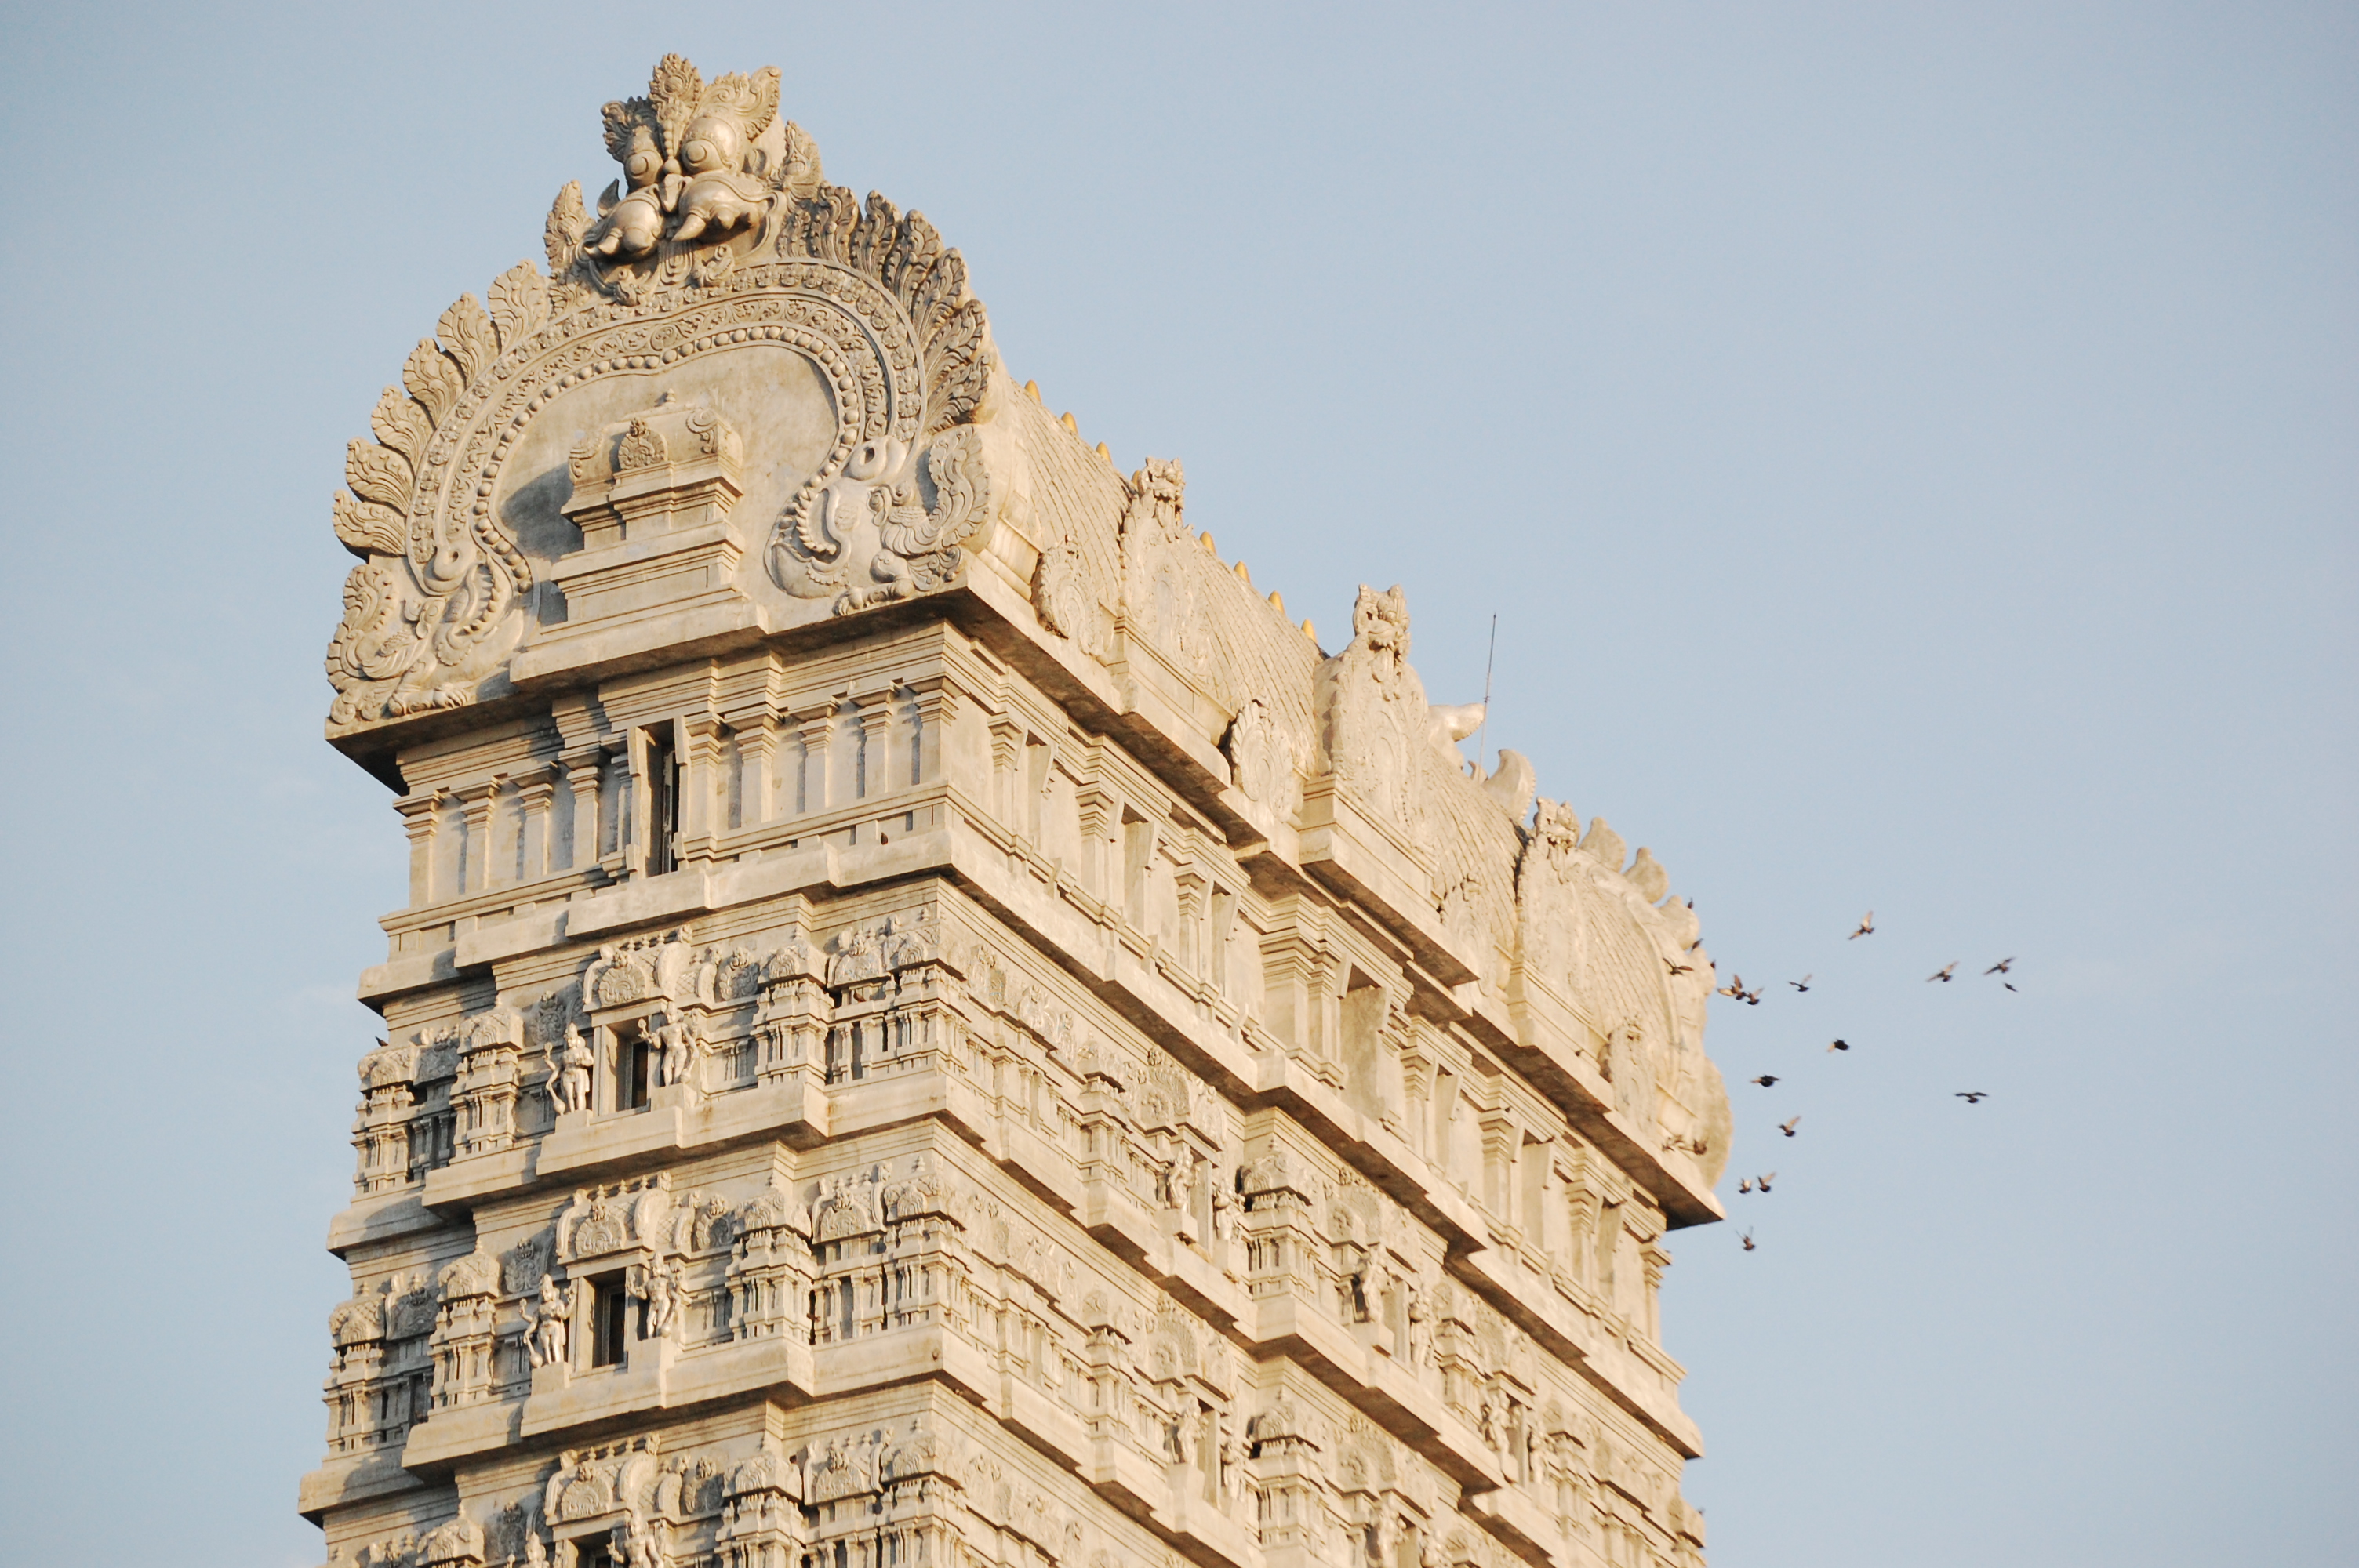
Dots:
{"x": 1062, "y": 599}
{"x": 1162, "y": 595}
{"x": 1373, "y": 718}
{"x": 1263, "y": 757}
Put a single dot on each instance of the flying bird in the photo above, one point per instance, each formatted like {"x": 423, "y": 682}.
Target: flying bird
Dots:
{"x": 1867, "y": 928}
{"x": 1839, "y": 1045}
{"x": 1761, "y": 1183}
{"x": 1945, "y": 974}
{"x": 1972, "y": 1097}
{"x": 1735, "y": 988}
{"x": 1803, "y": 984}
{"x": 1748, "y": 1240}
{"x": 1766, "y": 1080}
{"x": 2010, "y": 985}
{"x": 2000, "y": 968}
{"x": 1786, "y": 1127}
{"x": 1745, "y": 1185}
{"x": 1680, "y": 968}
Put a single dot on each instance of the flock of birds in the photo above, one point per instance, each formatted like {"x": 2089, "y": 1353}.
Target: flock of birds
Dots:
{"x": 1738, "y": 990}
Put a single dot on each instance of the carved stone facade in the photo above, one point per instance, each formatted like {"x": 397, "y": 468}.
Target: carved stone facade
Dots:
{"x": 931, "y": 1024}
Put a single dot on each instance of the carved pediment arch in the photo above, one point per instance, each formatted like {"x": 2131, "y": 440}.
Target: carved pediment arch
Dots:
{"x": 868, "y": 444}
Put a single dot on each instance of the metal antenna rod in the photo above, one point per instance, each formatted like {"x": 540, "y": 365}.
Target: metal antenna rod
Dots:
{"x": 1488, "y": 660}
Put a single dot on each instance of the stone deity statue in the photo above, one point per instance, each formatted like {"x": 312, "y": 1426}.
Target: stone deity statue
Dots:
{"x": 571, "y": 1083}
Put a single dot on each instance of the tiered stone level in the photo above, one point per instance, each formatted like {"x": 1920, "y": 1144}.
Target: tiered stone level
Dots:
{"x": 933, "y": 1025}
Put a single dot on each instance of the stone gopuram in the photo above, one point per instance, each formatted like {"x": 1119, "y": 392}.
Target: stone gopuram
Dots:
{"x": 934, "y": 1026}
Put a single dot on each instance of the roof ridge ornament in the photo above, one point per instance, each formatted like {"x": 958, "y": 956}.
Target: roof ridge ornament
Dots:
{"x": 719, "y": 234}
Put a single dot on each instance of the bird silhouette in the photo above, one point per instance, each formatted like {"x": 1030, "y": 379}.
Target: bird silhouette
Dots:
{"x": 1735, "y": 988}
{"x": 1748, "y": 1240}
{"x": 1839, "y": 1045}
{"x": 1945, "y": 974}
{"x": 1803, "y": 984}
{"x": 1867, "y": 928}
{"x": 1744, "y": 1184}
{"x": 1761, "y": 1183}
{"x": 1766, "y": 1080}
{"x": 1972, "y": 1097}
{"x": 1786, "y": 1127}
{"x": 2002, "y": 967}
{"x": 1680, "y": 968}
{"x": 2010, "y": 985}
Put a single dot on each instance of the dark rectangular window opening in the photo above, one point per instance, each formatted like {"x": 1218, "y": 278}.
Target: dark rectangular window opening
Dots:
{"x": 632, "y": 1059}
{"x": 663, "y": 802}
{"x": 595, "y": 1553}
{"x": 609, "y": 1321}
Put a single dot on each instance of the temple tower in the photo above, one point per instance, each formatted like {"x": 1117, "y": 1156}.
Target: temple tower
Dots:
{"x": 933, "y": 1025}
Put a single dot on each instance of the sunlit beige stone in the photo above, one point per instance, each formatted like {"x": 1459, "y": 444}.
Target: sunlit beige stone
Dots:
{"x": 933, "y": 1025}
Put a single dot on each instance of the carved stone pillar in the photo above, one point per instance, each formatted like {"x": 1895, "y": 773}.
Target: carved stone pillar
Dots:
{"x": 876, "y": 774}
{"x": 580, "y": 764}
{"x": 419, "y": 814}
{"x": 1655, "y": 1260}
{"x": 475, "y": 852}
{"x": 534, "y": 793}
{"x": 818, "y": 732}
{"x": 758, "y": 752}
{"x": 1190, "y": 888}
{"x": 933, "y": 706}
{"x": 700, "y": 777}
{"x": 1006, "y": 776}
{"x": 1498, "y": 1152}
{"x": 1098, "y": 811}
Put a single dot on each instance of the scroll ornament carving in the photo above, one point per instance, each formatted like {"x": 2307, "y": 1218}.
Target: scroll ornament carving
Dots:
{"x": 638, "y": 969}
{"x": 1262, "y": 758}
{"x": 1062, "y": 599}
{"x": 775, "y": 1207}
{"x": 1162, "y": 597}
{"x": 606, "y": 1219}
{"x": 721, "y": 233}
{"x": 457, "y": 1543}
{"x": 476, "y": 1274}
{"x": 1374, "y": 724}
{"x": 622, "y": 1476}
{"x": 874, "y": 948}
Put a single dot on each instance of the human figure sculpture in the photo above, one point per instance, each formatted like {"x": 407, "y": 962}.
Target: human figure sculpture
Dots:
{"x": 634, "y": 1542}
{"x": 572, "y": 1080}
{"x": 663, "y": 1299}
{"x": 676, "y": 1045}
{"x": 548, "y": 1322}
{"x": 1420, "y": 1328}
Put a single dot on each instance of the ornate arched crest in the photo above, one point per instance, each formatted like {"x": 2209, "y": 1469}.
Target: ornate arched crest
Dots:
{"x": 725, "y": 309}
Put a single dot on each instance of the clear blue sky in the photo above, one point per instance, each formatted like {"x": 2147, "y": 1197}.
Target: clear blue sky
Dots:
{"x": 1910, "y": 452}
